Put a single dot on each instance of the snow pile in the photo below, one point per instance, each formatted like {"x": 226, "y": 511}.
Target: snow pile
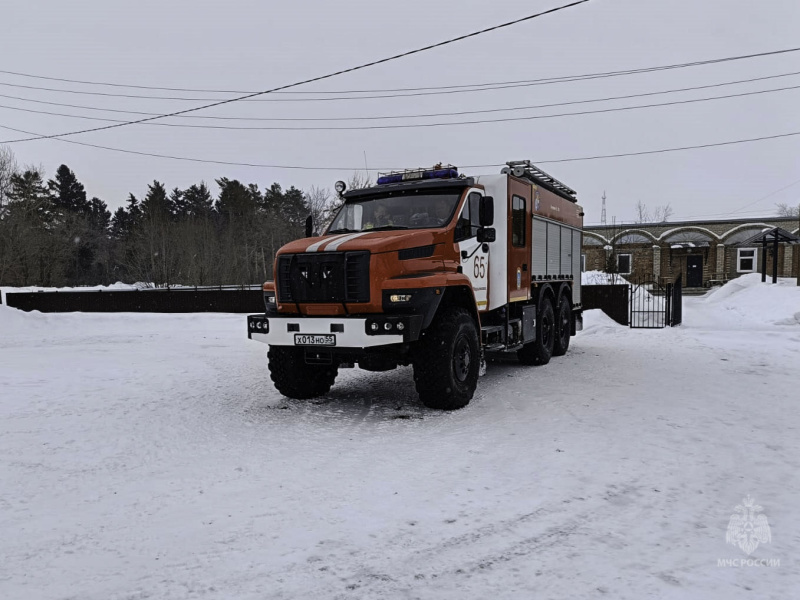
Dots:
{"x": 746, "y": 300}
{"x": 595, "y": 322}
{"x": 14, "y": 321}
{"x": 747, "y": 303}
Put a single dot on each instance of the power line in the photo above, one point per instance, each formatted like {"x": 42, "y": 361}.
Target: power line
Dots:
{"x": 388, "y": 117}
{"x": 794, "y": 183}
{"x": 411, "y": 89}
{"x": 319, "y": 78}
{"x": 677, "y": 149}
{"x": 309, "y": 168}
{"x": 738, "y": 211}
{"x": 415, "y": 125}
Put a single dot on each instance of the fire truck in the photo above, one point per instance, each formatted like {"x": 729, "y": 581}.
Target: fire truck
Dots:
{"x": 429, "y": 268}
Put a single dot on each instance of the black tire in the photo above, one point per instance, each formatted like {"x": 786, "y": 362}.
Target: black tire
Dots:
{"x": 447, "y": 361}
{"x": 539, "y": 351}
{"x": 563, "y": 327}
{"x": 294, "y": 378}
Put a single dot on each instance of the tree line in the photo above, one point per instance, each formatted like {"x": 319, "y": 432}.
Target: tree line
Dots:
{"x": 53, "y": 234}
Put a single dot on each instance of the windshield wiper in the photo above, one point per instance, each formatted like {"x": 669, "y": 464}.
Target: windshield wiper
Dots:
{"x": 386, "y": 228}
{"x": 342, "y": 230}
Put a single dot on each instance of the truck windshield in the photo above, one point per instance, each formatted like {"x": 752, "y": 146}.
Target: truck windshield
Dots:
{"x": 396, "y": 211}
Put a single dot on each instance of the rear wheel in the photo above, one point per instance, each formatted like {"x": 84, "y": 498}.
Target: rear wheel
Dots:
{"x": 447, "y": 361}
{"x": 539, "y": 351}
{"x": 296, "y": 379}
{"x": 563, "y": 327}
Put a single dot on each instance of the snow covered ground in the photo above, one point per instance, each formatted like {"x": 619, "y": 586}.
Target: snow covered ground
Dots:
{"x": 148, "y": 456}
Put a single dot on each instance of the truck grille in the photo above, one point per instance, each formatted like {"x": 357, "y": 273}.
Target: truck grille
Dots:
{"x": 323, "y": 277}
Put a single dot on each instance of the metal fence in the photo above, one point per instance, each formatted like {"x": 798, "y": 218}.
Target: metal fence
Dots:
{"x": 655, "y": 304}
{"x": 180, "y": 300}
{"x": 644, "y": 303}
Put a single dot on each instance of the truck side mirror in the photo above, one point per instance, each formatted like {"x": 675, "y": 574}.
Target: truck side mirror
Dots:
{"x": 486, "y": 212}
{"x": 486, "y": 234}
{"x": 309, "y": 226}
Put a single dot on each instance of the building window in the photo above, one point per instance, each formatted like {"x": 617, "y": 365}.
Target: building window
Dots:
{"x": 517, "y": 221}
{"x": 624, "y": 264}
{"x": 583, "y": 263}
{"x": 746, "y": 260}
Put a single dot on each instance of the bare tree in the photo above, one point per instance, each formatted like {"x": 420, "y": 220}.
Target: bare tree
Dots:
{"x": 8, "y": 168}
{"x": 322, "y": 206}
{"x": 660, "y": 214}
{"x": 785, "y": 210}
{"x": 359, "y": 180}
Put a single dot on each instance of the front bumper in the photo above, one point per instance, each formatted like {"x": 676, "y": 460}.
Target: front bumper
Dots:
{"x": 330, "y": 333}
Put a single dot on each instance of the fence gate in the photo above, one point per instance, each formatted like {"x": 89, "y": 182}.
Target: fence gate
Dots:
{"x": 654, "y": 305}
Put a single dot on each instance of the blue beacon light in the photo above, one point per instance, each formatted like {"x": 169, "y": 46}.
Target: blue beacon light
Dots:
{"x": 448, "y": 173}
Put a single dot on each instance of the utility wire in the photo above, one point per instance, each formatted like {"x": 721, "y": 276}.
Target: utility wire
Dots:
{"x": 416, "y": 125}
{"x": 677, "y": 149}
{"x": 738, "y": 211}
{"x": 308, "y": 168}
{"x": 313, "y": 79}
{"x": 770, "y": 195}
{"x": 386, "y": 117}
{"x": 411, "y": 89}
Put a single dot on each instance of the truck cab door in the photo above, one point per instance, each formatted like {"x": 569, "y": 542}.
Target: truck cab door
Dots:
{"x": 474, "y": 256}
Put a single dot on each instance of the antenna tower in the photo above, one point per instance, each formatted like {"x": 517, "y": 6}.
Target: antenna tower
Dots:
{"x": 603, "y": 212}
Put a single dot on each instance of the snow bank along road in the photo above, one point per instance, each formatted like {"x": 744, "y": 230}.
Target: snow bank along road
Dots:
{"x": 148, "y": 456}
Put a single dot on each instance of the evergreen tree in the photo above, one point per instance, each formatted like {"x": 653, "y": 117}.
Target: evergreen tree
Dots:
{"x": 68, "y": 193}
{"x": 176, "y": 203}
{"x": 28, "y": 187}
{"x": 125, "y": 218}
{"x": 236, "y": 200}
{"x": 197, "y": 201}
{"x": 156, "y": 205}
{"x": 37, "y": 256}
{"x": 99, "y": 215}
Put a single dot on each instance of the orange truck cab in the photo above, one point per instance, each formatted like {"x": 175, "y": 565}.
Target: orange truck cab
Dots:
{"x": 433, "y": 269}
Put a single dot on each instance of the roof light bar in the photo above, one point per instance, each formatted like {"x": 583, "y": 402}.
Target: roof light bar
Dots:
{"x": 438, "y": 172}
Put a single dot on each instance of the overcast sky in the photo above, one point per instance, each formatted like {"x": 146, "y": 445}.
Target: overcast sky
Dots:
{"x": 256, "y": 45}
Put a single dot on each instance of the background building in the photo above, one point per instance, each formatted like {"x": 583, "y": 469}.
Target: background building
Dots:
{"x": 703, "y": 252}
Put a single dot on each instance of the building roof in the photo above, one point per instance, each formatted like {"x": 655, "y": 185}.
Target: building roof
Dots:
{"x": 771, "y": 235}
{"x": 620, "y": 226}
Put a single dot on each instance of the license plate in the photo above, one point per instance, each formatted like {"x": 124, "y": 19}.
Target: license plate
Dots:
{"x": 302, "y": 339}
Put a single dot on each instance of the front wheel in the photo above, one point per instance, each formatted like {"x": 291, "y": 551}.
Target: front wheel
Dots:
{"x": 563, "y": 327}
{"x": 447, "y": 361}
{"x": 294, "y": 378}
{"x": 539, "y": 351}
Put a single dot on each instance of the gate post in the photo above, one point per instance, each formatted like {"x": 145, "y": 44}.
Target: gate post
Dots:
{"x": 656, "y": 262}
{"x": 668, "y": 307}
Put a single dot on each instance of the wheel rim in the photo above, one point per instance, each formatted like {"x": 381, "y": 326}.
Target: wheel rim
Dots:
{"x": 547, "y": 330}
{"x": 564, "y": 324}
{"x": 462, "y": 359}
